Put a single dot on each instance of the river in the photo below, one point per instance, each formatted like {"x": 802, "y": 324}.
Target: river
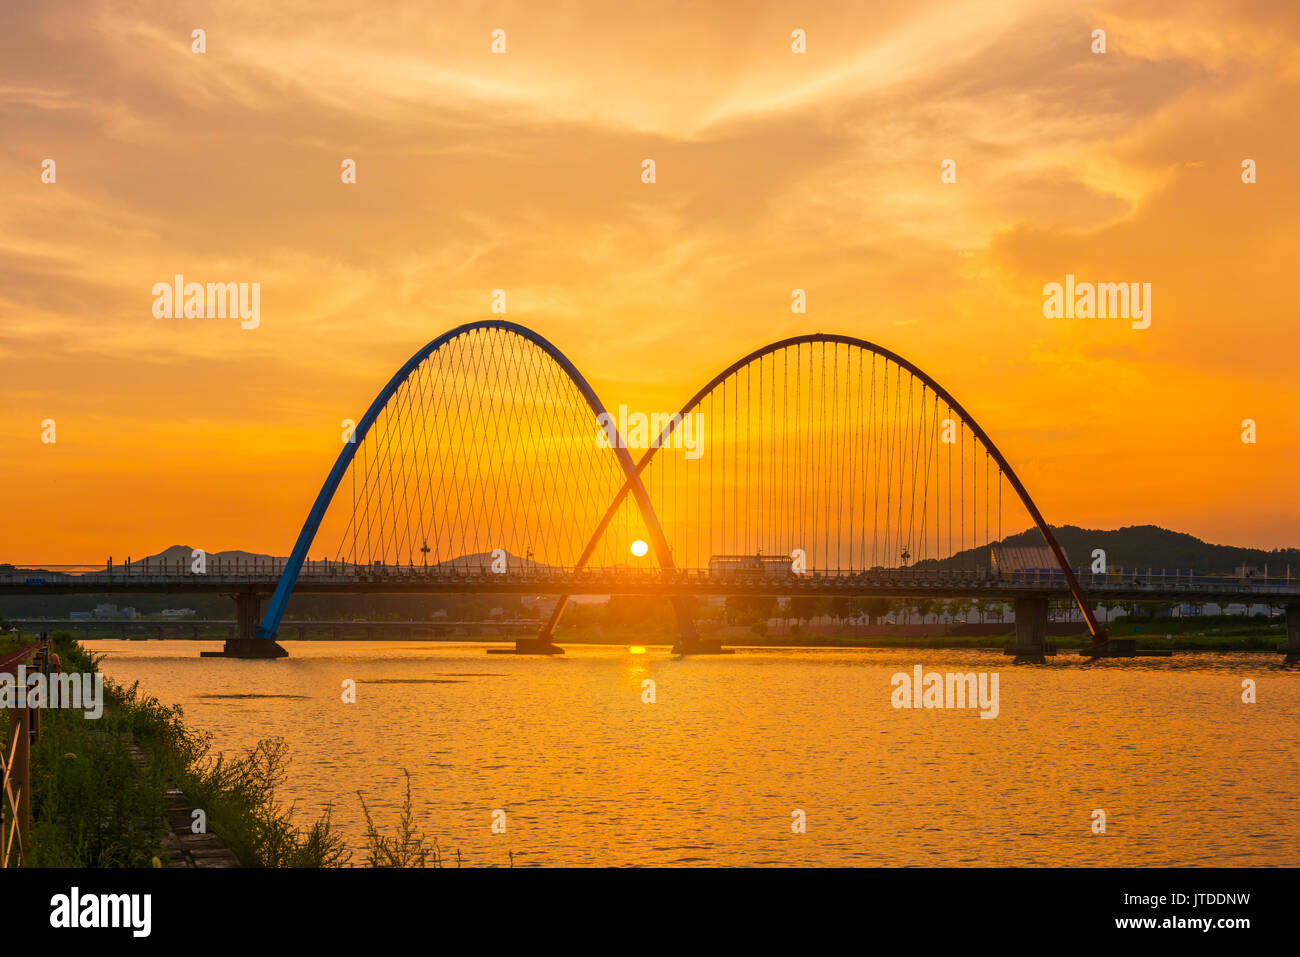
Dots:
{"x": 715, "y": 770}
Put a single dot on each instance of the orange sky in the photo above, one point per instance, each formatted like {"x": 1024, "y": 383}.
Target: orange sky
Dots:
{"x": 522, "y": 171}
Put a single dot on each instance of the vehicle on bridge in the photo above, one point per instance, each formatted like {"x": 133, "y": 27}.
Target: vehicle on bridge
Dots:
{"x": 1037, "y": 560}
{"x": 751, "y": 567}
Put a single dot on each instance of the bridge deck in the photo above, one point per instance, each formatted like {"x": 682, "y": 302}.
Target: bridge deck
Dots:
{"x": 904, "y": 583}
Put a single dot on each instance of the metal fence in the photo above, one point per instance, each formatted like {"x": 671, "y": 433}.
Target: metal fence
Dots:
{"x": 15, "y": 758}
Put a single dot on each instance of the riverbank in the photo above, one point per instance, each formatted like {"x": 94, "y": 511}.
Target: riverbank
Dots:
{"x": 1222, "y": 633}
{"x": 1226, "y": 633}
{"x": 958, "y": 643}
{"x": 116, "y": 782}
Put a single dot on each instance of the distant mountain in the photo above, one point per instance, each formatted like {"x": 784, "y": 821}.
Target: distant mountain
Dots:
{"x": 1140, "y": 546}
{"x": 464, "y": 562}
{"x": 1134, "y": 546}
{"x": 184, "y": 552}
{"x": 481, "y": 560}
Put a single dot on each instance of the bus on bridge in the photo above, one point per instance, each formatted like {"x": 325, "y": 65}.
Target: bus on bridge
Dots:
{"x": 751, "y": 567}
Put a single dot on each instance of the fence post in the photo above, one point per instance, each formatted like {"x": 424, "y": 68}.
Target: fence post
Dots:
{"x": 20, "y": 743}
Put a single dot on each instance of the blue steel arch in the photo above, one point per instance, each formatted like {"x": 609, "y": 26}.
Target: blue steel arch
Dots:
{"x": 289, "y": 577}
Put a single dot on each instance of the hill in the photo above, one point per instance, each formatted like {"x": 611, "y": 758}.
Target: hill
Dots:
{"x": 1141, "y": 546}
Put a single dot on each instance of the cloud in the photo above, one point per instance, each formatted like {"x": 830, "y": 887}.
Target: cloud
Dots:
{"x": 775, "y": 171}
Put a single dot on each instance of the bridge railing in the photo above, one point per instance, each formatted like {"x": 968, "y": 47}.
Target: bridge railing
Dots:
{"x": 15, "y": 760}
{"x": 261, "y": 571}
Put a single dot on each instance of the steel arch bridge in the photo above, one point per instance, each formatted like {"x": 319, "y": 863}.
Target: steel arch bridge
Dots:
{"x": 822, "y": 456}
{"x": 484, "y": 382}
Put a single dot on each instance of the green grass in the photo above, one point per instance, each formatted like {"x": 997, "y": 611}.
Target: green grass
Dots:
{"x": 92, "y": 805}
{"x": 238, "y": 794}
{"x": 95, "y": 806}
{"x": 407, "y": 847}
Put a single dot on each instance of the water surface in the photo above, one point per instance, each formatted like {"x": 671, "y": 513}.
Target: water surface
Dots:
{"x": 710, "y": 774}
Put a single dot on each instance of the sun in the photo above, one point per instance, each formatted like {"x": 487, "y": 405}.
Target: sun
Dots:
{"x": 639, "y": 548}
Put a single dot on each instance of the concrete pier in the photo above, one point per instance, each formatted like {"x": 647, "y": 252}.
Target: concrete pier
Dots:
{"x": 1031, "y": 645}
{"x": 246, "y": 643}
{"x": 530, "y": 646}
{"x": 1118, "y": 648}
{"x": 695, "y": 645}
{"x": 1291, "y": 647}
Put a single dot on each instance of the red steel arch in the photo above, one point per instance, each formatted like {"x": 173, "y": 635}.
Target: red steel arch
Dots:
{"x": 1097, "y": 632}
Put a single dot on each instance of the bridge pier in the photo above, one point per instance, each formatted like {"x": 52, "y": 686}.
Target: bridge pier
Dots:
{"x": 541, "y": 645}
{"x": 689, "y": 641}
{"x": 246, "y": 643}
{"x": 544, "y": 643}
{"x": 1120, "y": 648}
{"x": 1031, "y": 644}
{"x": 696, "y": 645}
{"x": 1291, "y": 647}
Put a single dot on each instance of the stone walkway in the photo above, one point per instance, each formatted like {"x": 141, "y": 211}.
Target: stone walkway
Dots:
{"x": 185, "y": 848}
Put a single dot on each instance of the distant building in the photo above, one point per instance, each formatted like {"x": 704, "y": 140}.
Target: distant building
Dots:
{"x": 105, "y": 610}
{"x": 177, "y": 612}
{"x": 1023, "y": 558}
{"x": 80, "y": 615}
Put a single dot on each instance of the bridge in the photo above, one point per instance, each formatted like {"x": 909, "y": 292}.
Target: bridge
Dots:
{"x": 198, "y": 629}
{"x": 830, "y": 451}
{"x": 1029, "y": 592}
{"x": 318, "y": 579}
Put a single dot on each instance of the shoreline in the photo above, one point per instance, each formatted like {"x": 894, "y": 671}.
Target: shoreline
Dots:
{"x": 1263, "y": 643}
